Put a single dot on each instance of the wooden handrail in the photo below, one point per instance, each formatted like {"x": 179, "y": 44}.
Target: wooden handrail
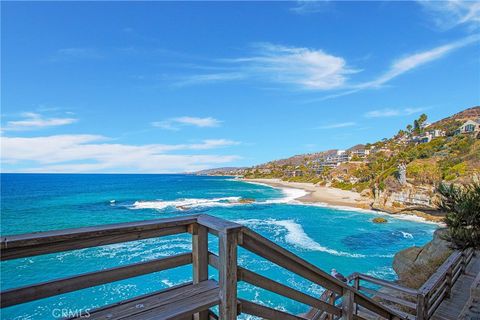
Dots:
{"x": 60, "y": 286}
{"x": 33, "y": 244}
{"x": 265, "y": 248}
{"x": 230, "y": 236}
{"x": 278, "y": 288}
{"x": 429, "y": 296}
{"x": 385, "y": 283}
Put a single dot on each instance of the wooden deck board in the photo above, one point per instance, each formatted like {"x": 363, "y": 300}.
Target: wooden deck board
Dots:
{"x": 173, "y": 303}
{"x": 451, "y": 308}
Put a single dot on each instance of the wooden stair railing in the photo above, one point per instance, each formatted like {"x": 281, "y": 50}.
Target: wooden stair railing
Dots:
{"x": 419, "y": 303}
{"x": 171, "y": 303}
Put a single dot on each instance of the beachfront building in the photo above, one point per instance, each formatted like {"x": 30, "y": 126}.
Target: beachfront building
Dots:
{"x": 470, "y": 126}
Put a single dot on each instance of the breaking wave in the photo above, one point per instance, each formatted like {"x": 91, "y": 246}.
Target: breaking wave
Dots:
{"x": 185, "y": 204}
{"x": 290, "y": 195}
{"x": 407, "y": 235}
{"x": 296, "y": 236}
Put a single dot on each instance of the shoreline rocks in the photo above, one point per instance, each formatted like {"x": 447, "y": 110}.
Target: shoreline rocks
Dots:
{"x": 379, "y": 220}
{"x": 415, "y": 265}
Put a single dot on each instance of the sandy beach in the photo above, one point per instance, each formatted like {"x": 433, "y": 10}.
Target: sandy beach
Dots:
{"x": 320, "y": 194}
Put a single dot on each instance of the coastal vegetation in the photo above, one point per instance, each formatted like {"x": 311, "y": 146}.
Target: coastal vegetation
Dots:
{"x": 462, "y": 204}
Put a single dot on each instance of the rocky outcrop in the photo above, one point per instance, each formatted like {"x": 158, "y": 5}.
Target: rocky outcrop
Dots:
{"x": 408, "y": 199}
{"x": 379, "y": 220}
{"x": 408, "y": 196}
{"x": 415, "y": 265}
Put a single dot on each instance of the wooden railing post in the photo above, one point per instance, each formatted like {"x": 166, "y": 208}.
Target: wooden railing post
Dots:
{"x": 448, "y": 281}
{"x": 422, "y": 307}
{"x": 200, "y": 259}
{"x": 347, "y": 304}
{"x": 356, "y": 285}
{"x": 227, "y": 271}
{"x": 331, "y": 300}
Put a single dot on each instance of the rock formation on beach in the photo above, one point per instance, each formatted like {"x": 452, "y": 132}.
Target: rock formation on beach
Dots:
{"x": 415, "y": 265}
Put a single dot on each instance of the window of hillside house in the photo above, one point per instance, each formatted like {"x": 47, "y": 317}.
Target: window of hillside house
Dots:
{"x": 469, "y": 128}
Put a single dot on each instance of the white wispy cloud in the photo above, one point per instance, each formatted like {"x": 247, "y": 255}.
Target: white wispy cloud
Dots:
{"x": 416, "y": 60}
{"x": 337, "y": 125}
{"x": 175, "y": 123}
{"x": 314, "y": 69}
{"x": 447, "y": 14}
{"x": 309, "y": 6}
{"x": 401, "y": 66}
{"x": 92, "y": 153}
{"x": 31, "y": 121}
{"x": 388, "y": 112}
{"x": 209, "y": 78}
{"x": 303, "y": 67}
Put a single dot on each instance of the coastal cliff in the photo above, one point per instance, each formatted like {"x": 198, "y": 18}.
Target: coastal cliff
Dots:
{"x": 415, "y": 265}
{"x": 419, "y": 200}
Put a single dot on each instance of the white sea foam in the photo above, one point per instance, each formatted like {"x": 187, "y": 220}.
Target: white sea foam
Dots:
{"x": 184, "y": 204}
{"x": 295, "y": 235}
{"x": 290, "y": 196}
{"x": 407, "y": 235}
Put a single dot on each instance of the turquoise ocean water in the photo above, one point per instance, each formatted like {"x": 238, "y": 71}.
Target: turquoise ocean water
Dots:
{"x": 329, "y": 238}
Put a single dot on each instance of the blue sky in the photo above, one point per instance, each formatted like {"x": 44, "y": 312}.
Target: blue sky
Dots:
{"x": 173, "y": 87}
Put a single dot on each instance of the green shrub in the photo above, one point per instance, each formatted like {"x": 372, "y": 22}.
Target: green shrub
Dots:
{"x": 462, "y": 204}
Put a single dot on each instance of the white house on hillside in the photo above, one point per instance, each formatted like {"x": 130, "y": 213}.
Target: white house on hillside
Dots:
{"x": 469, "y": 126}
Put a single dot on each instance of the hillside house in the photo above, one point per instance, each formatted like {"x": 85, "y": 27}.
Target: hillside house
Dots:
{"x": 427, "y": 136}
{"x": 334, "y": 159}
{"x": 470, "y": 126}
{"x": 358, "y": 151}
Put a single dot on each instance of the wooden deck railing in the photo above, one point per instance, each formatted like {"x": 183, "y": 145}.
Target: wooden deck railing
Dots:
{"x": 418, "y": 304}
{"x": 345, "y": 299}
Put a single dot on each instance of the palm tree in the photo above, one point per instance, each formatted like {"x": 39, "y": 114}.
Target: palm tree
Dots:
{"x": 462, "y": 204}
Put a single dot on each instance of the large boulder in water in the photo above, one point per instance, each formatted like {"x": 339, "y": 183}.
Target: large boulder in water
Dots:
{"x": 415, "y": 265}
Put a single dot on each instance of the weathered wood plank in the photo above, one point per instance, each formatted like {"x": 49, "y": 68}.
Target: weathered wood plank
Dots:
{"x": 440, "y": 274}
{"x": 36, "y": 238}
{"x": 376, "y": 307}
{"x": 273, "y": 286}
{"x": 388, "y": 297}
{"x": 347, "y": 304}
{"x": 434, "y": 305}
{"x": 421, "y": 306}
{"x": 227, "y": 272}
{"x": 173, "y": 303}
{"x": 433, "y": 295}
{"x": 200, "y": 260}
{"x": 387, "y": 284}
{"x": 60, "y": 286}
{"x": 216, "y": 225}
{"x": 82, "y": 243}
{"x": 284, "y": 258}
{"x": 265, "y": 312}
